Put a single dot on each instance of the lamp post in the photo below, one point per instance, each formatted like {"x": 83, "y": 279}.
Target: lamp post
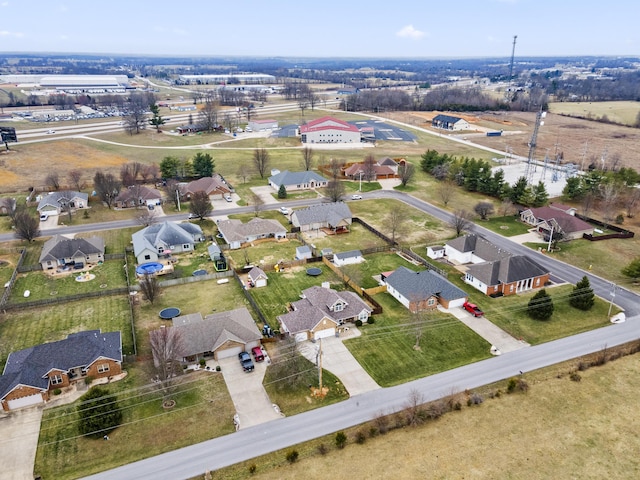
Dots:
{"x": 613, "y": 295}
{"x": 360, "y": 187}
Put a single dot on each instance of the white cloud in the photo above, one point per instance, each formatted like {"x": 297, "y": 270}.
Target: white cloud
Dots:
{"x": 6, "y": 33}
{"x": 410, "y": 32}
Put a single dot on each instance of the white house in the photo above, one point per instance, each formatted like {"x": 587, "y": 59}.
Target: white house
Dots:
{"x": 348, "y": 258}
{"x": 303, "y": 251}
{"x": 448, "y": 122}
{"x": 162, "y": 238}
{"x": 473, "y": 249}
{"x": 329, "y": 130}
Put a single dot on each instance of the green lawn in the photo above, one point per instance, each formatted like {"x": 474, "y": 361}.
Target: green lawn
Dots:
{"x": 375, "y": 264}
{"x": 270, "y": 252}
{"x": 203, "y": 411}
{"x": 43, "y": 285}
{"x": 357, "y": 238}
{"x": 21, "y": 328}
{"x": 115, "y": 241}
{"x": 508, "y": 226}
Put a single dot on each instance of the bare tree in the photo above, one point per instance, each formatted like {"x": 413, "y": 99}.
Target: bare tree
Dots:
{"x": 261, "y": 160}
{"x": 172, "y": 188}
{"x": 335, "y": 168}
{"x": 506, "y": 207}
{"x": 587, "y": 203}
{"x": 445, "y": 191}
{"x": 150, "y": 287}
{"x": 335, "y": 190}
{"x": 107, "y": 187}
{"x": 150, "y": 172}
{"x": 609, "y": 193}
{"x": 75, "y": 179}
{"x": 257, "y": 203}
{"x": 631, "y": 200}
{"x": 27, "y": 227}
{"x": 147, "y": 217}
{"x": 414, "y": 408}
{"x": 244, "y": 172}
{"x": 52, "y": 180}
{"x": 9, "y": 205}
{"x": 166, "y": 347}
{"x": 460, "y": 222}
{"x": 406, "y": 171}
{"x": 307, "y": 158}
{"x": 369, "y": 168}
{"x": 135, "y": 118}
{"x": 200, "y": 204}
{"x": 484, "y": 209}
{"x": 396, "y": 222}
{"x": 208, "y": 115}
{"x": 129, "y": 173}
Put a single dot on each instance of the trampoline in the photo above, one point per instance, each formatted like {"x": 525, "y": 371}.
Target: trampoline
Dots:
{"x": 314, "y": 271}
{"x": 199, "y": 272}
{"x": 149, "y": 268}
{"x": 169, "y": 313}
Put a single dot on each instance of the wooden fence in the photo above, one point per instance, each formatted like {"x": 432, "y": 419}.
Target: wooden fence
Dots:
{"x": 195, "y": 278}
{"x": 66, "y": 299}
{"x": 12, "y": 280}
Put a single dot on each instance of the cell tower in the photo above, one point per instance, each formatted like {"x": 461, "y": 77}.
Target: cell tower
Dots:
{"x": 513, "y": 53}
{"x": 531, "y": 166}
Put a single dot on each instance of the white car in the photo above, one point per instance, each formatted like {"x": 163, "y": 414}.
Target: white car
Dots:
{"x": 284, "y": 210}
{"x": 44, "y": 217}
{"x": 355, "y": 196}
{"x": 49, "y": 132}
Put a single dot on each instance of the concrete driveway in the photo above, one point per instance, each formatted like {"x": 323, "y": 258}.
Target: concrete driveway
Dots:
{"x": 337, "y": 359}
{"x": 266, "y": 194}
{"x": 20, "y": 430}
{"x": 252, "y": 403}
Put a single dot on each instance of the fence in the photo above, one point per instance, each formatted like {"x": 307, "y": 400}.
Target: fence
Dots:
{"x": 250, "y": 299}
{"x": 65, "y": 299}
{"x": 620, "y": 232}
{"x": 377, "y": 308}
{"x": 12, "y": 280}
{"x": 195, "y": 278}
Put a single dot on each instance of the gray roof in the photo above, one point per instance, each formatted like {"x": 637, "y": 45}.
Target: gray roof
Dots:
{"x": 29, "y": 366}
{"x": 506, "y": 270}
{"x": 139, "y": 192}
{"x": 330, "y": 213}
{"x": 303, "y": 249}
{"x": 478, "y": 246}
{"x": 59, "y": 247}
{"x": 446, "y": 118}
{"x": 214, "y": 251}
{"x": 417, "y": 286}
{"x": 199, "y": 335}
{"x": 234, "y": 230}
{"x": 296, "y": 178}
{"x": 255, "y": 273}
{"x": 349, "y": 254}
{"x": 164, "y": 234}
{"x": 56, "y": 199}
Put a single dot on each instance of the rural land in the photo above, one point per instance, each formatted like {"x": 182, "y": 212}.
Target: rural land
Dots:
{"x": 190, "y": 255}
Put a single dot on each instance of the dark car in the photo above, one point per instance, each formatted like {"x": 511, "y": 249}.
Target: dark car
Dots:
{"x": 245, "y": 361}
{"x": 473, "y": 309}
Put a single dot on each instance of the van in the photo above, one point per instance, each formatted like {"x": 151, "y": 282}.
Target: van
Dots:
{"x": 257, "y": 354}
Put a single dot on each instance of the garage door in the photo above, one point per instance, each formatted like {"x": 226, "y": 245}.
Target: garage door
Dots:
{"x": 301, "y": 337}
{"x": 228, "y": 352}
{"x": 25, "y": 401}
{"x": 327, "y": 332}
{"x": 456, "y": 303}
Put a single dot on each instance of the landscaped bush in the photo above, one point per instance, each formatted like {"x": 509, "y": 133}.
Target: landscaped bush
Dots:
{"x": 57, "y": 391}
{"x": 341, "y": 439}
{"x": 358, "y": 323}
{"x": 361, "y": 437}
{"x": 252, "y": 468}
{"x": 575, "y": 376}
{"x": 371, "y": 320}
{"x": 292, "y": 456}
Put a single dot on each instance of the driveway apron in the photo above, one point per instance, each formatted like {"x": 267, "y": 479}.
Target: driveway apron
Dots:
{"x": 20, "y": 431}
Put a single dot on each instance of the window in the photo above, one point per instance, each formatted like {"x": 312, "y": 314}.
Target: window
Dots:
{"x": 103, "y": 368}
{"x": 56, "y": 379}
{"x": 186, "y": 246}
{"x": 363, "y": 315}
{"x": 147, "y": 257}
{"x": 431, "y": 302}
{"x": 338, "y": 307}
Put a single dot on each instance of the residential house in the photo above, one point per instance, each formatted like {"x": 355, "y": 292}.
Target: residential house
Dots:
{"x": 423, "y": 290}
{"x": 218, "y": 335}
{"x": 236, "y": 233}
{"x": 334, "y": 216}
{"x": 320, "y": 311}
{"x": 215, "y": 187}
{"x": 259, "y": 125}
{"x": 55, "y": 203}
{"x": 138, "y": 195}
{"x": 217, "y": 257}
{"x": 164, "y": 238}
{"x": 61, "y": 251}
{"x": 329, "y": 130}
{"x": 555, "y": 219}
{"x": 306, "y": 180}
{"x": 303, "y": 251}
{"x": 257, "y": 277}
{"x": 31, "y": 374}
{"x": 448, "y": 122}
{"x": 472, "y": 249}
{"x": 361, "y": 171}
{"x": 348, "y": 258}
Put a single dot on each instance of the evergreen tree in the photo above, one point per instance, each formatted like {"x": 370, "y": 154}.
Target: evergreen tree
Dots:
{"x": 540, "y": 195}
{"x": 99, "y": 413}
{"x": 518, "y": 190}
{"x": 282, "y": 191}
{"x": 202, "y": 165}
{"x": 582, "y": 296}
{"x": 573, "y": 189}
{"x": 633, "y": 269}
{"x": 540, "y": 306}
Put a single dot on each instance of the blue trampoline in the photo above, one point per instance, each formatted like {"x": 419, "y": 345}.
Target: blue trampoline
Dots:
{"x": 149, "y": 268}
{"x": 169, "y": 313}
{"x": 314, "y": 271}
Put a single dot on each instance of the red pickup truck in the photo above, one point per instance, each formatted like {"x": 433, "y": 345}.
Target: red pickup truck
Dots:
{"x": 473, "y": 309}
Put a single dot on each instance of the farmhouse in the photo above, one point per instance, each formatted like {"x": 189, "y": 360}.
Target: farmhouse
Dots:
{"x": 447, "y": 122}
{"x": 236, "y": 233}
{"x": 329, "y": 130}
{"x": 219, "y": 335}
{"x": 59, "y": 251}
{"x": 306, "y": 180}
{"x": 335, "y": 217}
{"x": 31, "y": 374}
{"x": 423, "y": 290}
{"x": 163, "y": 238}
{"x": 556, "y": 218}
{"x": 320, "y": 311}
{"x": 55, "y": 203}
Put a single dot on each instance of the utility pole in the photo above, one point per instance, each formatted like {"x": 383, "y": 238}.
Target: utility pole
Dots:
{"x": 320, "y": 367}
{"x": 613, "y": 295}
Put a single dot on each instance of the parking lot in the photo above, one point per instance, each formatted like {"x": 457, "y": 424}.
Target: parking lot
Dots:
{"x": 372, "y": 129}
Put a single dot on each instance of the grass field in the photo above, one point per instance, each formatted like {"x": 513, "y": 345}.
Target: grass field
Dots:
{"x": 203, "y": 410}
{"x": 625, "y": 113}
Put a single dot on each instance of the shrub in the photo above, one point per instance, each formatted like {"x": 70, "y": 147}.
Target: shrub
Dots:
{"x": 358, "y": 323}
{"x": 540, "y": 306}
{"x": 361, "y": 437}
{"x": 218, "y": 368}
{"x": 292, "y": 456}
{"x": 511, "y": 385}
{"x": 474, "y": 399}
{"x": 382, "y": 422}
{"x": 575, "y": 376}
{"x": 99, "y": 413}
{"x": 57, "y": 391}
{"x": 282, "y": 192}
{"x": 371, "y": 320}
{"x": 373, "y": 432}
{"x": 341, "y": 439}
{"x": 88, "y": 380}
{"x": 523, "y": 385}
{"x": 322, "y": 449}
{"x": 619, "y": 219}
{"x": 252, "y": 468}
{"x": 582, "y": 296}
{"x": 202, "y": 362}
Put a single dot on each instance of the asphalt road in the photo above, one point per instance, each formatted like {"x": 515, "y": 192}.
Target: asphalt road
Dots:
{"x": 278, "y": 434}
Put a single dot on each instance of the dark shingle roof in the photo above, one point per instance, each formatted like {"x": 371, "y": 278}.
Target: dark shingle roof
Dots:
{"x": 296, "y": 178}
{"x": 479, "y": 246}
{"x": 330, "y": 213}
{"x": 59, "y": 247}
{"x": 349, "y": 254}
{"x": 506, "y": 270}
{"x": 446, "y": 118}
{"x": 417, "y": 286}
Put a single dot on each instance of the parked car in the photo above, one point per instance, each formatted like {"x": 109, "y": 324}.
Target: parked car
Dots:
{"x": 49, "y": 132}
{"x": 284, "y": 210}
{"x": 257, "y": 354}
{"x": 192, "y": 216}
{"x": 245, "y": 361}
{"x": 355, "y": 196}
{"x": 228, "y": 198}
{"x": 473, "y": 309}
{"x": 44, "y": 217}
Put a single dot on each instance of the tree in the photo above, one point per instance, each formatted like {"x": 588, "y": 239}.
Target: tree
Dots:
{"x": 631, "y": 199}
{"x": 150, "y": 287}
{"x": 244, "y": 172}
{"x": 307, "y": 158}
{"x": 166, "y": 348}
{"x": 257, "y": 203}
{"x": 282, "y": 191}
{"x": 10, "y": 205}
{"x": 633, "y": 269}
{"x": 75, "y": 179}
{"x": 396, "y": 221}
{"x": 200, "y": 204}
{"x": 573, "y": 189}
{"x": 369, "y": 168}
{"x": 445, "y": 191}
{"x": 540, "y": 195}
{"x": 406, "y": 172}
{"x": 506, "y": 207}
{"x": 147, "y": 217}
{"x": 52, "y": 180}
{"x": 582, "y": 296}
{"x": 135, "y": 117}
{"x": 156, "y": 120}
{"x": 208, "y": 115}
{"x": 460, "y": 222}
{"x": 27, "y": 227}
{"x": 261, "y": 160}
{"x": 172, "y": 188}
{"x": 609, "y": 193}
{"x": 203, "y": 165}
{"x": 129, "y": 173}
{"x": 107, "y": 187}
{"x": 169, "y": 167}
{"x": 519, "y": 190}
{"x": 99, "y": 413}
{"x": 540, "y": 307}
{"x": 335, "y": 190}
{"x": 335, "y": 168}
{"x": 484, "y": 209}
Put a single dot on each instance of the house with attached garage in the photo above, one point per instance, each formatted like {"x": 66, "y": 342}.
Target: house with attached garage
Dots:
{"x": 219, "y": 335}
{"x": 423, "y": 290}
{"x": 292, "y": 181}
{"x": 236, "y": 233}
{"x": 31, "y": 374}
{"x": 215, "y": 187}
{"x": 55, "y": 203}
{"x": 137, "y": 196}
{"x": 320, "y": 311}
{"x": 61, "y": 251}
{"x": 164, "y": 238}
{"x": 555, "y": 219}
{"x": 335, "y": 217}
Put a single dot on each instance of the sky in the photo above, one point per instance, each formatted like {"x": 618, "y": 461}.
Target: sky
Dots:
{"x": 326, "y": 28}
